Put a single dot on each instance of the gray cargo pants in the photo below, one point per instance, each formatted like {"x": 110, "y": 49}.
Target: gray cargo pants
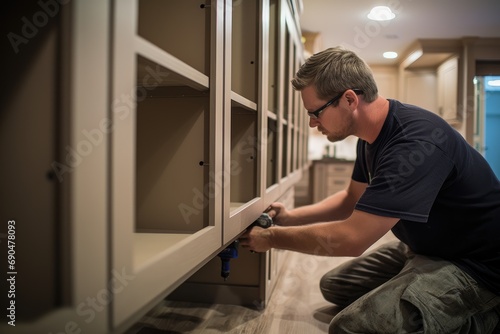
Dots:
{"x": 392, "y": 290}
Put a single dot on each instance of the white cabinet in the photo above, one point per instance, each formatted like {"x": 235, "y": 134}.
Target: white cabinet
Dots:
{"x": 429, "y": 76}
{"x": 435, "y": 89}
{"x": 447, "y": 82}
{"x": 420, "y": 87}
{"x": 329, "y": 176}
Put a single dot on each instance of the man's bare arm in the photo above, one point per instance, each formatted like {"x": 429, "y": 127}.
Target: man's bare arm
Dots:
{"x": 338, "y": 206}
{"x": 350, "y": 237}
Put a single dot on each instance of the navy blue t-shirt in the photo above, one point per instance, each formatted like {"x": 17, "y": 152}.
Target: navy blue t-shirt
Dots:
{"x": 422, "y": 171}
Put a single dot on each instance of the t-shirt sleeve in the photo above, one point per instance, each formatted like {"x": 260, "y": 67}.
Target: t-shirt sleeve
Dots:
{"x": 359, "y": 172}
{"x": 406, "y": 181}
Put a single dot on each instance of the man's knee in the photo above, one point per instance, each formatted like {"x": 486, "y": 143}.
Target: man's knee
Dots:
{"x": 326, "y": 289}
{"x": 332, "y": 291}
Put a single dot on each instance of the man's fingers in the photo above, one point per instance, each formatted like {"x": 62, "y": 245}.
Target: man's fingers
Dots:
{"x": 272, "y": 211}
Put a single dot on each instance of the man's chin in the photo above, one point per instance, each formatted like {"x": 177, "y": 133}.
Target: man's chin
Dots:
{"x": 333, "y": 138}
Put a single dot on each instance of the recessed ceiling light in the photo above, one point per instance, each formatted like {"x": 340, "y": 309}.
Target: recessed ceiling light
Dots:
{"x": 381, "y": 13}
{"x": 390, "y": 54}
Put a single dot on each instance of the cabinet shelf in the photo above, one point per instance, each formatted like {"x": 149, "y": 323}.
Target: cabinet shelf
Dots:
{"x": 240, "y": 101}
{"x": 272, "y": 115}
{"x": 148, "y": 246}
{"x": 152, "y": 56}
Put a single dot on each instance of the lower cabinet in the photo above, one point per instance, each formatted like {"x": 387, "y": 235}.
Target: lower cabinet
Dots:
{"x": 251, "y": 279}
{"x": 329, "y": 176}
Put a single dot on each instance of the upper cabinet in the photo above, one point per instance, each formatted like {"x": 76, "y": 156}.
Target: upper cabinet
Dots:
{"x": 447, "y": 88}
{"x": 430, "y": 77}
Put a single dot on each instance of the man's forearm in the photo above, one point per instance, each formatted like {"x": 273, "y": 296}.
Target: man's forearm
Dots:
{"x": 326, "y": 239}
{"x": 350, "y": 237}
{"x": 332, "y": 208}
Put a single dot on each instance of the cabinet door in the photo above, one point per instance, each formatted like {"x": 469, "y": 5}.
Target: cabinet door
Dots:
{"x": 166, "y": 147}
{"x": 420, "y": 89}
{"x": 447, "y": 89}
{"x": 243, "y": 117}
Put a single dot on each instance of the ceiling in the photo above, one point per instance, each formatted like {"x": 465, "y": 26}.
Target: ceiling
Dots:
{"x": 344, "y": 22}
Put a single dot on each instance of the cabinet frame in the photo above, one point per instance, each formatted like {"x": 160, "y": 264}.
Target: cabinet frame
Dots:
{"x": 153, "y": 279}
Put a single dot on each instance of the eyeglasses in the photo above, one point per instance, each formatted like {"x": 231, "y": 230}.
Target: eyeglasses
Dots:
{"x": 315, "y": 114}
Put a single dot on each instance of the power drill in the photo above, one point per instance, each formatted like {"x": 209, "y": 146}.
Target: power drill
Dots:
{"x": 231, "y": 252}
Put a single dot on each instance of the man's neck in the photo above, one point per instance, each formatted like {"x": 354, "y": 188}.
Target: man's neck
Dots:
{"x": 371, "y": 119}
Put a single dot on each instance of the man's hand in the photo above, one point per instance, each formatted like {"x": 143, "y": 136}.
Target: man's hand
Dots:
{"x": 278, "y": 213}
{"x": 256, "y": 239}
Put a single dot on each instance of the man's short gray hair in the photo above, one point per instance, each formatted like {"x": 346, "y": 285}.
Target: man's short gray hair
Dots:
{"x": 335, "y": 70}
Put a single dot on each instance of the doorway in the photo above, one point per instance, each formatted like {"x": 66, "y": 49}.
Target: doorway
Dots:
{"x": 487, "y": 123}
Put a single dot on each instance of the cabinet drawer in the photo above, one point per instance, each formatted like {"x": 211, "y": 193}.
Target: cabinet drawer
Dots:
{"x": 339, "y": 170}
{"x": 336, "y": 184}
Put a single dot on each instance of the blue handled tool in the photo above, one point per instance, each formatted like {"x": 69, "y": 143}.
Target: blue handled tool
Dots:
{"x": 231, "y": 251}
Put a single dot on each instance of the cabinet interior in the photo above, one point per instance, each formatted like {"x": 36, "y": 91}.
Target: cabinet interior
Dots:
{"x": 172, "y": 152}
{"x": 244, "y": 154}
{"x": 272, "y": 152}
{"x": 159, "y": 22}
{"x": 244, "y": 50}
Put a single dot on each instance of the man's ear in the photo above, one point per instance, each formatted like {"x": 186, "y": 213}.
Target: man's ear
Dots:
{"x": 352, "y": 99}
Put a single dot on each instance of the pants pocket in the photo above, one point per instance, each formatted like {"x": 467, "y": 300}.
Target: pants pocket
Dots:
{"x": 450, "y": 301}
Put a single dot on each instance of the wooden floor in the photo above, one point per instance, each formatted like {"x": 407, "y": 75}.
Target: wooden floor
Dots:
{"x": 296, "y": 306}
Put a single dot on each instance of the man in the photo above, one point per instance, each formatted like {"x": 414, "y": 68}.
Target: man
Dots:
{"x": 414, "y": 175}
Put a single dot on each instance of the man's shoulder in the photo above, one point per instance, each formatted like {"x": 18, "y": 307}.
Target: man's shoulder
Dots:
{"x": 411, "y": 116}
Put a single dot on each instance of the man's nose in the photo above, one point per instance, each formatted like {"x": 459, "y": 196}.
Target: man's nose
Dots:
{"x": 313, "y": 122}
